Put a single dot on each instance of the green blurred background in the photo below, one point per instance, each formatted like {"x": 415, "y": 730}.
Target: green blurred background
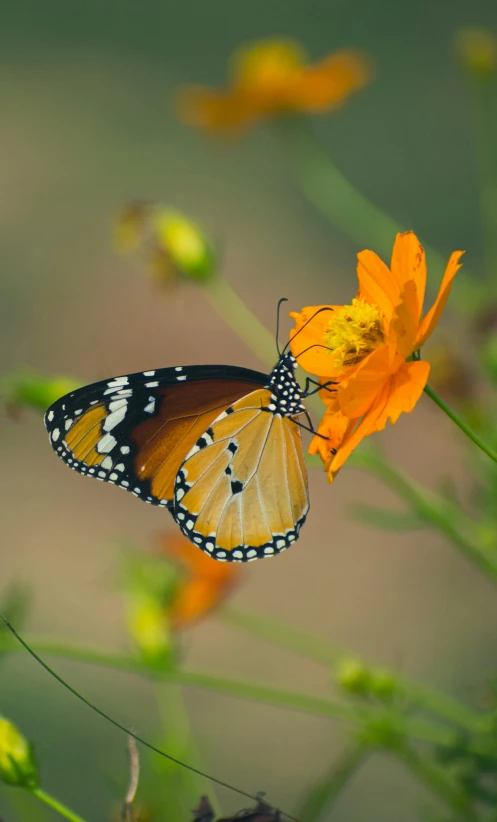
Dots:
{"x": 87, "y": 95}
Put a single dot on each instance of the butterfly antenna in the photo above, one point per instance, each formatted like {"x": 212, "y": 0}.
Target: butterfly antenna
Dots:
{"x": 281, "y": 300}
{"x": 314, "y": 345}
{"x": 122, "y": 728}
{"x": 319, "y": 311}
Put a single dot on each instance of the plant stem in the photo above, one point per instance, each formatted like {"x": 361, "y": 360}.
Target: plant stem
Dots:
{"x": 241, "y": 319}
{"x": 431, "y": 509}
{"x": 353, "y": 714}
{"x": 331, "y": 193}
{"x": 45, "y": 797}
{"x": 322, "y": 652}
{"x": 461, "y": 424}
{"x": 322, "y": 795}
{"x": 437, "y": 780}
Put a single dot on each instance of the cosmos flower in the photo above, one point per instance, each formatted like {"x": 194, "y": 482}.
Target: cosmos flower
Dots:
{"x": 369, "y": 348}
{"x": 270, "y": 78}
{"x": 205, "y": 584}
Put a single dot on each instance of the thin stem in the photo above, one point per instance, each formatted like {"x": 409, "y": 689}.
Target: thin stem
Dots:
{"x": 327, "y": 790}
{"x": 331, "y": 193}
{"x": 241, "y": 320}
{"x": 437, "y": 780}
{"x": 176, "y": 732}
{"x": 353, "y": 714}
{"x": 429, "y": 508}
{"x": 461, "y": 424}
{"x": 45, "y": 797}
{"x": 323, "y": 652}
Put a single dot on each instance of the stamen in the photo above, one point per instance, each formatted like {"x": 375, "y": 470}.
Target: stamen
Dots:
{"x": 354, "y": 332}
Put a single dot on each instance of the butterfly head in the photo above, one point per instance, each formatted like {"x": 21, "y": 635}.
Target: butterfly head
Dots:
{"x": 286, "y": 393}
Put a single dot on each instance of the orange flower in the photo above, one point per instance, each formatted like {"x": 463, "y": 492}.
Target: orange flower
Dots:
{"x": 272, "y": 77}
{"x": 207, "y": 582}
{"x": 367, "y": 348}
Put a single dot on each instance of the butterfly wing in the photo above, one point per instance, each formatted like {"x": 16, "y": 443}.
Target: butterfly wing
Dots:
{"x": 134, "y": 431}
{"x": 241, "y": 492}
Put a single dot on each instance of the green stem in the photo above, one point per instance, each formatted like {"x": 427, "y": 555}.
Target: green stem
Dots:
{"x": 437, "y": 780}
{"x": 354, "y": 714}
{"x": 45, "y": 797}
{"x": 177, "y": 735}
{"x": 436, "y": 512}
{"x": 331, "y": 193}
{"x": 322, "y": 652}
{"x": 241, "y": 320}
{"x": 461, "y": 424}
{"x": 322, "y": 795}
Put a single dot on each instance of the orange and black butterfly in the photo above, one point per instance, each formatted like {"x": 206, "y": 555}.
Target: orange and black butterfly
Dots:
{"x": 217, "y": 445}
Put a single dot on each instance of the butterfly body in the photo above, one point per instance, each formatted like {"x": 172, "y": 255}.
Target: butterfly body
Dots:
{"x": 218, "y": 446}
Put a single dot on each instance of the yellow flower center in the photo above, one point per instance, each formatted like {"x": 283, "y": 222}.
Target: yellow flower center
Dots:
{"x": 268, "y": 64}
{"x": 354, "y": 332}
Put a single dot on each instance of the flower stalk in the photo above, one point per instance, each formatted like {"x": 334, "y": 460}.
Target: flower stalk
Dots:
{"x": 473, "y": 436}
{"x": 57, "y": 806}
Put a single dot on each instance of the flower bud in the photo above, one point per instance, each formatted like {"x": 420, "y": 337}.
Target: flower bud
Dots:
{"x": 383, "y": 683}
{"x": 17, "y": 765}
{"x": 476, "y": 49}
{"x": 149, "y": 628}
{"x": 186, "y": 245}
{"x": 353, "y": 676}
{"x": 31, "y": 390}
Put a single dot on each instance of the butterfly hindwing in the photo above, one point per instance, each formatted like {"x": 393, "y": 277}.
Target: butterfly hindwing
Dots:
{"x": 241, "y": 493}
{"x": 134, "y": 431}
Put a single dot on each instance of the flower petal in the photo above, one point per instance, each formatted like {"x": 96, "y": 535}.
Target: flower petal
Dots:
{"x": 358, "y": 393}
{"x": 404, "y": 325}
{"x": 406, "y": 388}
{"x": 329, "y": 82}
{"x": 331, "y": 431}
{"x": 232, "y": 110}
{"x": 431, "y": 319}
{"x": 409, "y": 263}
{"x": 354, "y": 435}
{"x": 315, "y": 318}
{"x": 377, "y": 285}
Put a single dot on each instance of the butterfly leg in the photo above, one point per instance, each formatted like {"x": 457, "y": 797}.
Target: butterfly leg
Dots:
{"x": 312, "y": 430}
{"x": 309, "y": 381}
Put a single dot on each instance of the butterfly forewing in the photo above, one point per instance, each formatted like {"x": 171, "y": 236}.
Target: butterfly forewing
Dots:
{"x": 134, "y": 431}
{"x": 241, "y": 492}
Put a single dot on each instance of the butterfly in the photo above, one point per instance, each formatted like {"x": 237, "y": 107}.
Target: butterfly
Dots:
{"x": 219, "y": 446}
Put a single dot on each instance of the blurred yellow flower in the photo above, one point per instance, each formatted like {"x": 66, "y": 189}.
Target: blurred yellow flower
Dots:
{"x": 367, "y": 348}
{"x": 476, "y": 49}
{"x": 171, "y": 244}
{"x": 272, "y": 77}
{"x": 205, "y": 585}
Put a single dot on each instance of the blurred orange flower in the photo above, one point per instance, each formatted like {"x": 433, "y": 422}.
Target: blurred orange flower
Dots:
{"x": 206, "y": 583}
{"x": 272, "y": 77}
{"x": 367, "y": 348}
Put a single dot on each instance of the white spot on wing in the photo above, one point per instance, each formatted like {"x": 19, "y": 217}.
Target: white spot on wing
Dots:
{"x": 50, "y": 416}
{"x": 115, "y": 405}
{"x": 148, "y": 373}
{"x": 114, "y": 419}
{"x": 55, "y": 435}
{"x": 106, "y": 444}
{"x": 107, "y": 463}
{"x": 151, "y": 384}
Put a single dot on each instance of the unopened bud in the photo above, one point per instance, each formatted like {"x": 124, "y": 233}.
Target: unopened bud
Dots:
{"x": 353, "y": 676}
{"x": 185, "y": 243}
{"x": 17, "y": 764}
